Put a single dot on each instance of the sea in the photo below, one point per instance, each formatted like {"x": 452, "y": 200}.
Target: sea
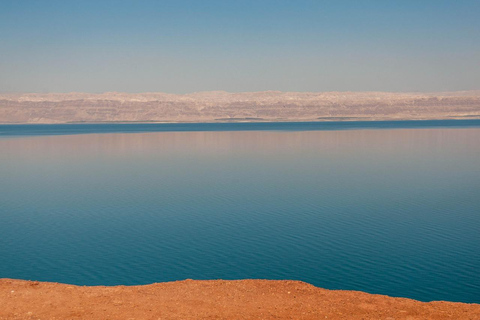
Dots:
{"x": 385, "y": 207}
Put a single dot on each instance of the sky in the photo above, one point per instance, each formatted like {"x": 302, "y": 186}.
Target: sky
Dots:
{"x": 185, "y": 46}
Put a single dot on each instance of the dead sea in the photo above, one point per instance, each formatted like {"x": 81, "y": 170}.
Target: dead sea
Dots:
{"x": 383, "y": 209}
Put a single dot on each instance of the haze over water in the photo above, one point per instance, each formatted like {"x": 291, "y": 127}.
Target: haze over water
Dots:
{"x": 393, "y": 212}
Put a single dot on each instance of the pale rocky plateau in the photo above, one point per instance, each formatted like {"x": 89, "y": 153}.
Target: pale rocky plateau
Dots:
{"x": 220, "y": 106}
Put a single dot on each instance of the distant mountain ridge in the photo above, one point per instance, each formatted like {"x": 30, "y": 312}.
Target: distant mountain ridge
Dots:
{"x": 221, "y": 106}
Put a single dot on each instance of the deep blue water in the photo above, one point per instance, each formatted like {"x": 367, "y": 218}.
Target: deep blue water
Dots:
{"x": 86, "y": 128}
{"x": 393, "y": 212}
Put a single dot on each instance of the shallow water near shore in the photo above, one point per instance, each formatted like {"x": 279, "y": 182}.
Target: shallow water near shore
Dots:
{"x": 394, "y": 211}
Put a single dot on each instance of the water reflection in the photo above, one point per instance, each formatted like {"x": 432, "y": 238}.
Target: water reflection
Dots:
{"x": 240, "y": 142}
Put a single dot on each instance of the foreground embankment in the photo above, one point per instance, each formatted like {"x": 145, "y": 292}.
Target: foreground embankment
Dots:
{"x": 213, "y": 299}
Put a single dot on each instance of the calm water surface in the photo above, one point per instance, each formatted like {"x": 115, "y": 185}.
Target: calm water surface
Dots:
{"x": 394, "y": 212}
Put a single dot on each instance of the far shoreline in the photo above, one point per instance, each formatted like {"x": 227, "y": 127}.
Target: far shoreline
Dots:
{"x": 52, "y": 129}
{"x": 61, "y": 129}
{"x": 262, "y": 121}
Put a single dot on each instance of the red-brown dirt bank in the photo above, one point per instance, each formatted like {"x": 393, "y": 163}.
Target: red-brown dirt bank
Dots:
{"x": 213, "y": 299}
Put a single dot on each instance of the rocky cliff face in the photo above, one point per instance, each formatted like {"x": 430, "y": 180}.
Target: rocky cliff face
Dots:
{"x": 223, "y": 106}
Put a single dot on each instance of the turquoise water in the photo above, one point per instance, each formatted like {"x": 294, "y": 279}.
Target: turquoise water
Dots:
{"x": 381, "y": 208}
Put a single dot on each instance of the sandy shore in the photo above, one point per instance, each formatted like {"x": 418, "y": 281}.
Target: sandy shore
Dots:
{"x": 213, "y": 299}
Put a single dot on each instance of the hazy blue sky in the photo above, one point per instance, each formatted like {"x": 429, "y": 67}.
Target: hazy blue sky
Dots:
{"x": 186, "y": 46}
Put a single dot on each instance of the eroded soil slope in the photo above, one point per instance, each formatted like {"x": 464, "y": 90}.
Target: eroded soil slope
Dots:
{"x": 214, "y": 299}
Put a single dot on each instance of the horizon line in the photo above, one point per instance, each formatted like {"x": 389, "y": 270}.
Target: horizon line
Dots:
{"x": 237, "y": 92}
